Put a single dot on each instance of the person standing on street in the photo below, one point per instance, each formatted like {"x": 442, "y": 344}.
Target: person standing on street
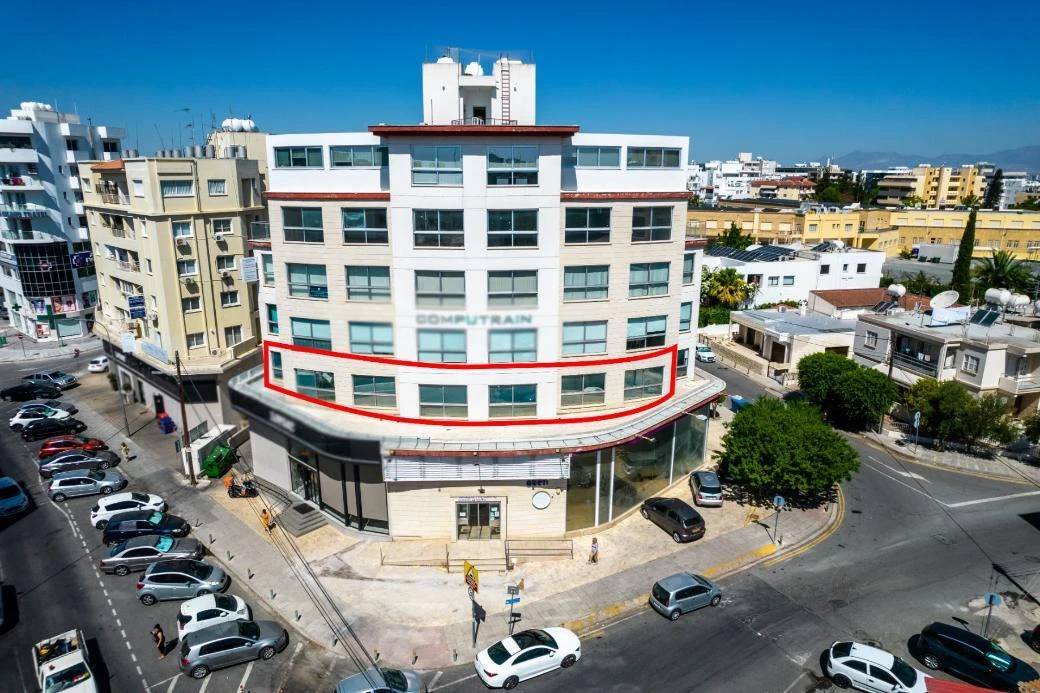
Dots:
{"x": 160, "y": 640}
{"x": 265, "y": 518}
{"x": 594, "y": 551}
{"x": 124, "y": 452}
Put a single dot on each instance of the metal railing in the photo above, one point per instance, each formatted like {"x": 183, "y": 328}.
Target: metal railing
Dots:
{"x": 20, "y": 181}
{"x": 114, "y": 198}
{"x": 912, "y": 363}
{"x": 482, "y": 121}
{"x": 26, "y": 210}
{"x": 260, "y": 231}
{"x": 129, "y": 265}
{"x": 21, "y": 235}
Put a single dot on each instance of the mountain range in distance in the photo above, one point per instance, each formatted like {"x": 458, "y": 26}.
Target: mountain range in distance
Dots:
{"x": 1020, "y": 159}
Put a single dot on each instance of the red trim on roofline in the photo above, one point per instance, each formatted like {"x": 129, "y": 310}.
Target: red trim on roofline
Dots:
{"x": 670, "y": 195}
{"x": 327, "y": 196}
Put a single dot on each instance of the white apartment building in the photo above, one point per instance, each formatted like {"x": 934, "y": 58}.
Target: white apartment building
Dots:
{"x": 47, "y": 273}
{"x": 478, "y": 327}
{"x": 717, "y": 180}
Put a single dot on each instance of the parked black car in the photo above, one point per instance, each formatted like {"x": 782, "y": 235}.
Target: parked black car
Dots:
{"x": 23, "y": 392}
{"x": 138, "y": 523}
{"x": 77, "y": 459}
{"x": 45, "y": 428}
{"x": 675, "y": 517}
{"x": 972, "y": 657}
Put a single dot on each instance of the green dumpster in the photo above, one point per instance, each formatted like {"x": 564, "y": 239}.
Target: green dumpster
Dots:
{"x": 218, "y": 462}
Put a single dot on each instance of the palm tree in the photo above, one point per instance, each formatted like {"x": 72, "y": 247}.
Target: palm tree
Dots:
{"x": 730, "y": 289}
{"x": 971, "y": 201}
{"x": 1002, "y": 271}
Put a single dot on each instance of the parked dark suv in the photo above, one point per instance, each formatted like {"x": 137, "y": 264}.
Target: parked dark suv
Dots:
{"x": 972, "y": 657}
{"x": 675, "y": 517}
{"x": 138, "y": 523}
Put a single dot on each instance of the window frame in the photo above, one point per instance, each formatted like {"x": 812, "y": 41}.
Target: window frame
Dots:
{"x": 307, "y": 150}
{"x": 649, "y": 339}
{"x": 638, "y": 157}
{"x": 686, "y": 316}
{"x": 198, "y": 304}
{"x": 180, "y": 224}
{"x": 315, "y": 291}
{"x": 194, "y": 264}
{"x": 379, "y": 399}
{"x": 512, "y": 409}
{"x": 380, "y": 156}
{"x": 512, "y": 298}
{"x": 200, "y": 343}
{"x": 439, "y": 233}
{"x": 222, "y": 187}
{"x": 452, "y": 175}
{"x": 653, "y": 229}
{"x": 443, "y": 409}
{"x": 229, "y": 331}
{"x": 423, "y": 354}
{"x": 510, "y": 171}
{"x": 511, "y": 237}
{"x": 688, "y": 268}
{"x": 369, "y": 292}
{"x": 578, "y": 150}
{"x": 514, "y": 354}
{"x": 316, "y": 391}
{"x": 310, "y": 340}
{"x": 652, "y": 286}
{"x": 235, "y": 303}
{"x": 272, "y": 318}
{"x": 589, "y": 345}
{"x": 586, "y": 287}
{"x": 965, "y": 364}
{"x": 185, "y": 183}
{"x": 375, "y": 345}
{"x": 367, "y": 234}
{"x": 440, "y": 299}
{"x": 572, "y": 234}
{"x": 305, "y": 232}
{"x": 582, "y": 397}
{"x": 640, "y": 387}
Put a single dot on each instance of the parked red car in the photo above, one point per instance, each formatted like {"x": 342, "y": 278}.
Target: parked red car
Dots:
{"x": 52, "y": 446}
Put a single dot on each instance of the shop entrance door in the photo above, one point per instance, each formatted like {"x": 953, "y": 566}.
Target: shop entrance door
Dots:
{"x": 304, "y": 480}
{"x": 482, "y": 520}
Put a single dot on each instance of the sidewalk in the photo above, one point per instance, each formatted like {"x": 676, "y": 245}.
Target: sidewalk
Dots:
{"x": 407, "y": 614}
{"x": 27, "y": 348}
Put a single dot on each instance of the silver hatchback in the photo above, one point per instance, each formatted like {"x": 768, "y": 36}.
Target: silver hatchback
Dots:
{"x": 140, "y": 552}
{"x": 228, "y": 644}
{"x": 179, "y": 579}
{"x": 677, "y": 594}
{"x": 84, "y": 482}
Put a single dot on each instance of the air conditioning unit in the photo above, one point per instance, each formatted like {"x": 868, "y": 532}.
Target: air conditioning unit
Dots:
{"x": 187, "y": 280}
{"x": 219, "y": 237}
{"x": 214, "y": 352}
{"x": 226, "y": 274}
{"x": 183, "y": 240}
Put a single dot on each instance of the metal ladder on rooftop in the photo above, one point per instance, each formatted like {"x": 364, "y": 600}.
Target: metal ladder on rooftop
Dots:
{"x": 505, "y": 89}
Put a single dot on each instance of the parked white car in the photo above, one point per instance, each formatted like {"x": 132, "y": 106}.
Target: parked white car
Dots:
{"x": 25, "y": 416}
{"x": 209, "y": 610}
{"x": 869, "y": 668}
{"x": 525, "y": 655}
{"x": 704, "y": 354}
{"x": 117, "y": 503}
{"x": 98, "y": 365}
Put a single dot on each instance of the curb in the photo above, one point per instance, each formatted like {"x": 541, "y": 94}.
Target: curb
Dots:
{"x": 902, "y": 456}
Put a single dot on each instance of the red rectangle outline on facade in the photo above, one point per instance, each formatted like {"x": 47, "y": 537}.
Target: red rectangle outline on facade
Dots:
{"x": 671, "y": 351}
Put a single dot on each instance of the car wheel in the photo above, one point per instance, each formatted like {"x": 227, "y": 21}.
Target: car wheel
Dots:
{"x": 674, "y": 614}
{"x": 101, "y": 524}
{"x": 266, "y": 653}
{"x": 510, "y": 683}
{"x": 1035, "y": 642}
{"x": 644, "y": 513}
{"x": 102, "y": 465}
{"x": 199, "y": 672}
{"x": 105, "y": 490}
{"x": 122, "y": 571}
{"x": 716, "y": 600}
{"x": 676, "y": 537}
{"x": 16, "y": 427}
{"x": 58, "y": 498}
{"x": 931, "y": 661}
{"x": 568, "y": 661}
{"x": 46, "y": 475}
{"x": 841, "y": 681}
{"x": 148, "y": 600}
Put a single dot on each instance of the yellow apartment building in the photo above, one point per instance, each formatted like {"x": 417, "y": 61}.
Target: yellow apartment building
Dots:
{"x": 936, "y": 186}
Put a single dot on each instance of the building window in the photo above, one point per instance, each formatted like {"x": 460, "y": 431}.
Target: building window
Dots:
{"x": 365, "y": 226}
{"x": 316, "y": 384}
{"x": 582, "y": 390}
{"x": 302, "y": 225}
{"x": 512, "y": 165}
{"x": 443, "y": 401}
{"x": 276, "y": 365}
{"x": 646, "y": 332}
{"x": 442, "y": 346}
{"x": 512, "y": 288}
{"x": 267, "y": 262}
{"x": 597, "y": 157}
{"x": 316, "y": 334}
{"x": 138, "y": 186}
{"x": 971, "y": 365}
{"x": 433, "y": 165}
{"x": 187, "y": 268}
{"x": 181, "y": 229}
{"x": 682, "y": 363}
{"x": 512, "y": 228}
{"x": 653, "y": 157}
{"x": 217, "y": 187}
{"x": 587, "y": 225}
{"x": 233, "y": 335}
{"x": 505, "y": 401}
{"x": 225, "y": 262}
{"x": 773, "y": 281}
{"x": 307, "y": 281}
{"x": 175, "y": 188}
{"x": 789, "y": 281}
{"x": 861, "y": 268}
{"x": 440, "y": 289}
{"x": 190, "y": 304}
{"x": 644, "y": 382}
{"x": 585, "y": 282}
{"x": 298, "y": 157}
{"x": 438, "y": 228}
{"x": 685, "y": 317}
{"x": 812, "y": 228}
{"x": 687, "y": 269}
{"x": 222, "y": 226}
{"x": 374, "y": 391}
{"x": 368, "y": 284}
{"x": 585, "y": 337}
{"x": 272, "y": 318}
{"x": 196, "y": 339}
{"x": 647, "y": 279}
{"x": 372, "y": 338}
{"x": 825, "y": 269}
{"x": 870, "y": 341}
{"x": 228, "y": 299}
{"x": 651, "y": 224}
{"x": 358, "y": 156}
{"x": 512, "y": 346}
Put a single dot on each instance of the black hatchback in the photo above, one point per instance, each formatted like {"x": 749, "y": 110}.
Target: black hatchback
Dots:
{"x": 675, "y": 517}
{"x": 972, "y": 657}
{"x": 45, "y": 428}
{"x": 138, "y": 523}
{"x": 26, "y": 391}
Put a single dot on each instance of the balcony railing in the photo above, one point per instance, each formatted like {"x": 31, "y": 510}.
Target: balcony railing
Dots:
{"x": 121, "y": 231}
{"x": 260, "y": 231}
{"x": 114, "y": 198}
{"x": 20, "y": 181}
{"x": 1019, "y": 383}
{"x": 129, "y": 265}
{"x": 23, "y": 235}
{"x": 23, "y": 211}
{"x": 912, "y": 363}
{"x": 482, "y": 121}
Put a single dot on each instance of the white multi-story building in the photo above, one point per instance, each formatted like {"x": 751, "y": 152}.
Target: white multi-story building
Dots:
{"x": 46, "y": 266}
{"x": 717, "y": 180}
{"x": 476, "y": 327}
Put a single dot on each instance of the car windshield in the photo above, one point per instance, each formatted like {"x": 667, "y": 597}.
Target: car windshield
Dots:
{"x": 1000, "y": 659}
{"x": 66, "y": 678}
{"x": 118, "y": 549}
{"x": 248, "y": 629}
{"x": 530, "y": 638}
{"x": 225, "y": 602}
{"x": 710, "y": 483}
{"x": 139, "y": 497}
{"x": 199, "y": 570}
{"x": 56, "y": 374}
{"x": 11, "y": 491}
{"x": 155, "y": 518}
{"x": 841, "y": 649}
{"x": 96, "y": 476}
{"x": 498, "y": 653}
{"x": 164, "y": 544}
{"x": 394, "y": 679}
{"x": 703, "y": 348}
{"x": 906, "y": 674}
{"x": 183, "y": 620}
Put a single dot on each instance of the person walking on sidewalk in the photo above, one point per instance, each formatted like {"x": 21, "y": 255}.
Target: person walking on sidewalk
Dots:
{"x": 265, "y": 518}
{"x": 124, "y": 452}
{"x": 160, "y": 640}
{"x": 594, "y": 551}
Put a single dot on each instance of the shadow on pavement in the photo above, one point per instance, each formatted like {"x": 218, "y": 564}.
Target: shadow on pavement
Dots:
{"x": 98, "y": 666}
{"x": 8, "y": 607}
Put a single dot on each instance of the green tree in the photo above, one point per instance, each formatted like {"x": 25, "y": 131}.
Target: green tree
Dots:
{"x": 861, "y": 397}
{"x": 987, "y": 418}
{"x": 782, "y": 447}
{"x": 733, "y": 238}
{"x": 943, "y": 408}
{"x": 730, "y": 289}
{"x": 906, "y": 254}
{"x": 819, "y": 374}
{"x": 912, "y": 201}
{"x": 1031, "y": 428}
{"x": 970, "y": 200}
{"x": 831, "y": 194}
{"x": 923, "y": 284}
{"x": 1032, "y": 205}
{"x": 994, "y": 190}
{"x": 707, "y": 282}
{"x": 1002, "y": 271}
{"x": 961, "y": 281}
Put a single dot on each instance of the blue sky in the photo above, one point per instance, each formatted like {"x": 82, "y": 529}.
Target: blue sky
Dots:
{"x": 786, "y": 80}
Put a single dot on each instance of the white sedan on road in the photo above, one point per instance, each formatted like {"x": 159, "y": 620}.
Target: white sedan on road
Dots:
{"x": 117, "y": 503}
{"x": 525, "y": 655}
{"x": 704, "y": 354}
{"x": 98, "y": 365}
{"x": 210, "y": 610}
{"x": 24, "y": 416}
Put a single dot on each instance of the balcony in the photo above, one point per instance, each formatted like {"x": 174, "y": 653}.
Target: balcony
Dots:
{"x": 20, "y": 183}
{"x": 916, "y": 365}
{"x": 128, "y": 265}
{"x": 1019, "y": 384}
{"x": 18, "y": 154}
{"x": 26, "y": 211}
{"x": 20, "y": 235}
{"x": 113, "y": 198}
{"x": 121, "y": 231}
{"x": 73, "y": 156}
{"x": 482, "y": 121}
{"x": 259, "y": 234}
{"x": 78, "y": 207}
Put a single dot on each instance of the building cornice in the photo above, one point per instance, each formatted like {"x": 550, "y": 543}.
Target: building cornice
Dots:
{"x": 622, "y": 196}
{"x": 327, "y": 196}
{"x": 468, "y": 130}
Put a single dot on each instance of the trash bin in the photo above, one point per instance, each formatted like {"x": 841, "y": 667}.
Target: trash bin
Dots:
{"x": 218, "y": 461}
{"x": 735, "y": 403}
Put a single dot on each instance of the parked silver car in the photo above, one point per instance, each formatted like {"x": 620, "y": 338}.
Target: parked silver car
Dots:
{"x": 378, "y": 680}
{"x": 77, "y": 459}
{"x": 140, "y": 552}
{"x": 84, "y": 482}
{"x": 52, "y": 404}
{"x": 678, "y": 594}
{"x": 228, "y": 644}
{"x": 179, "y": 579}
{"x": 58, "y": 379}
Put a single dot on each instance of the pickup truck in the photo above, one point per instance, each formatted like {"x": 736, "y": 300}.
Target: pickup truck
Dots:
{"x": 61, "y": 664}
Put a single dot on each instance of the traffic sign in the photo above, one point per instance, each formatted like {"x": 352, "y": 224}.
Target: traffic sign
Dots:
{"x": 513, "y": 600}
{"x": 992, "y": 599}
{"x": 917, "y": 419}
{"x": 471, "y": 576}
{"x": 779, "y": 501}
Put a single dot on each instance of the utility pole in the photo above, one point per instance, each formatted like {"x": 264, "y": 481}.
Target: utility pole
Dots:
{"x": 185, "y": 439}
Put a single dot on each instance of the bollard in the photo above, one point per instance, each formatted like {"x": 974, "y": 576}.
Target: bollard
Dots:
{"x": 230, "y": 556}
{"x": 415, "y": 657}
{"x": 454, "y": 655}
{"x": 273, "y": 594}
{"x": 376, "y": 658}
{"x": 297, "y": 614}
{"x": 250, "y": 573}
{"x": 335, "y": 641}
{"x": 212, "y": 538}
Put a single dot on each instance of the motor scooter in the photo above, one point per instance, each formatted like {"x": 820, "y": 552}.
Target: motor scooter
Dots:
{"x": 247, "y": 489}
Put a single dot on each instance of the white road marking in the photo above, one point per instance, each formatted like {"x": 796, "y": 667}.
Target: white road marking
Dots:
{"x": 118, "y": 622}
{"x": 133, "y": 657}
{"x": 900, "y": 472}
{"x": 436, "y": 678}
{"x": 448, "y": 685}
{"x": 173, "y": 682}
{"x": 794, "y": 683}
{"x": 139, "y": 672}
{"x": 903, "y": 483}
{"x": 205, "y": 684}
{"x": 994, "y": 499}
{"x": 245, "y": 676}
{"x": 124, "y": 637}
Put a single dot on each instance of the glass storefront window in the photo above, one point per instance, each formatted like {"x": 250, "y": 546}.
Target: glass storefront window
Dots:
{"x": 689, "y": 441}
{"x": 581, "y": 491}
{"x": 641, "y": 469}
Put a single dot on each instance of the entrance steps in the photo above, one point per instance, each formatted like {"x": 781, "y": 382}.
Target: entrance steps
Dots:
{"x": 301, "y": 518}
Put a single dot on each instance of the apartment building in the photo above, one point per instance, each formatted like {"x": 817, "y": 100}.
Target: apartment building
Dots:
{"x": 46, "y": 268}
{"x": 796, "y": 188}
{"x": 934, "y": 186}
{"x": 169, "y": 239}
{"x": 478, "y": 327}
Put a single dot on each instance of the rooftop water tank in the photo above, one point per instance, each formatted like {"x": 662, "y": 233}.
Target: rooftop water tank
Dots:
{"x": 998, "y": 297}
{"x": 897, "y": 290}
{"x": 474, "y": 69}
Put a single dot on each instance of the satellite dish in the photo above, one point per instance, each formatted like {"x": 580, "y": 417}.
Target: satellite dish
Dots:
{"x": 944, "y": 300}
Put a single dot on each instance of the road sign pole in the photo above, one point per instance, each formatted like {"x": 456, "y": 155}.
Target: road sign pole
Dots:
{"x": 779, "y": 502}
